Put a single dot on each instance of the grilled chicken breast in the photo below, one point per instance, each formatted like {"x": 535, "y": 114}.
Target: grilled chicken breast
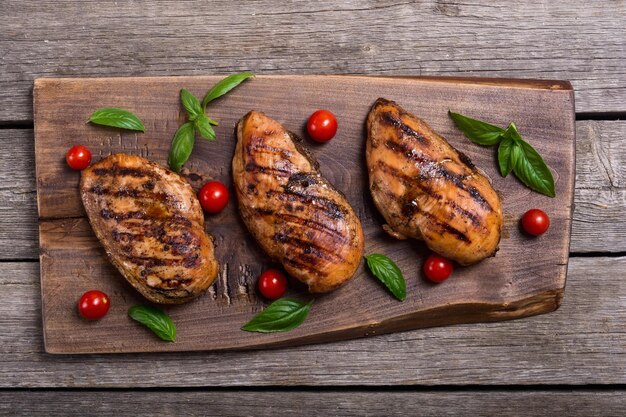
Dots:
{"x": 426, "y": 189}
{"x": 296, "y": 216}
{"x": 151, "y": 226}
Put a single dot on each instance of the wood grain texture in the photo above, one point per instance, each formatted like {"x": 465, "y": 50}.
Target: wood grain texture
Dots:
{"x": 577, "y": 40}
{"x": 599, "y": 202}
{"x": 600, "y": 199}
{"x": 526, "y": 278}
{"x": 18, "y": 199}
{"x": 587, "y": 403}
{"x": 581, "y": 343}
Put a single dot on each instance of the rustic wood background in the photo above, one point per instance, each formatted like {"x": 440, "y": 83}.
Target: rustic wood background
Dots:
{"x": 570, "y": 362}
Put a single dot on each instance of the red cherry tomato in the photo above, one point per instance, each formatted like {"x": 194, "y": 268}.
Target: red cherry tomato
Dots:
{"x": 437, "y": 268}
{"x": 535, "y": 222}
{"x": 94, "y": 305}
{"x": 78, "y": 157}
{"x": 213, "y": 197}
{"x": 322, "y": 126}
{"x": 272, "y": 284}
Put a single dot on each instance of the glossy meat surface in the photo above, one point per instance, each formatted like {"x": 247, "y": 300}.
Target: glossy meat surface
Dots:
{"x": 151, "y": 226}
{"x": 426, "y": 189}
{"x": 296, "y": 215}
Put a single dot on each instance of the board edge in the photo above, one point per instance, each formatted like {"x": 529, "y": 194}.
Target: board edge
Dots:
{"x": 540, "y": 303}
{"x": 530, "y": 83}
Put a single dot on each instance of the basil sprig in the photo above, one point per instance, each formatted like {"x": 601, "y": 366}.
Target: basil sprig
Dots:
{"x": 191, "y": 104}
{"x": 282, "y": 315}
{"x": 181, "y": 147}
{"x": 154, "y": 319}
{"x": 225, "y": 86}
{"x": 198, "y": 121}
{"x": 114, "y": 117}
{"x": 514, "y": 153}
{"x": 388, "y": 273}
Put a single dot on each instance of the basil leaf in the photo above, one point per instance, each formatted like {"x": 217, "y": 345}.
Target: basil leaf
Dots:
{"x": 191, "y": 104}
{"x": 155, "y": 319}
{"x": 224, "y": 86}
{"x": 280, "y": 316}
{"x": 182, "y": 145}
{"x": 111, "y": 116}
{"x": 204, "y": 128}
{"x": 477, "y": 131}
{"x": 388, "y": 273}
{"x": 507, "y": 146}
{"x": 531, "y": 169}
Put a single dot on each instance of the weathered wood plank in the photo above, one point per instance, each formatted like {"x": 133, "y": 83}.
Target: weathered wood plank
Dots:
{"x": 587, "y": 403}
{"x": 581, "y": 343}
{"x": 576, "y": 40}
{"x": 19, "y": 235}
{"x": 600, "y": 199}
{"x": 600, "y": 196}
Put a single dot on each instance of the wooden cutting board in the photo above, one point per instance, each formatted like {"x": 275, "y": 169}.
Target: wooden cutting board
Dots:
{"x": 526, "y": 277}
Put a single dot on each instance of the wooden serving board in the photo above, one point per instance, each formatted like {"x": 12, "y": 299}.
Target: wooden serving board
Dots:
{"x": 526, "y": 277}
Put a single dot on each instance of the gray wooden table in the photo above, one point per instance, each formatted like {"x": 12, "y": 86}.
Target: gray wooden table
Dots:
{"x": 572, "y": 361}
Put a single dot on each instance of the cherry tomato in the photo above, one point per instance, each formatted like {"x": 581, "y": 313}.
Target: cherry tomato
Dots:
{"x": 322, "y": 126}
{"x": 94, "y": 305}
{"x": 78, "y": 157}
{"x": 437, "y": 268}
{"x": 213, "y": 197}
{"x": 272, "y": 284}
{"x": 535, "y": 222}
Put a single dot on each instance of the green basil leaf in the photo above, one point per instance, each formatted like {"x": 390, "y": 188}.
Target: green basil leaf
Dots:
{"x": 182, "y": 145}
{"x": 155, "y": 319}
{"x": 213, "y": 122}
{"x": 388, "y": 273}
{"x": 504, "y": 156}
{"x": 280, "y": 316}
{"x": 191, "y": 104}
{"x": 204, "y": 128}
{"x": 531, "y": 169}
{"x": 224, "y": 86}
{"x": 114, "y": 117}
{"x": 516, "y": 154}
{"x": 505, "y": 148}
{"x": 477, "y": 131}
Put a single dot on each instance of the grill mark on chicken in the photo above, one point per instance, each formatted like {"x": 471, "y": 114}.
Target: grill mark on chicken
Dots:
{"x": 260, "y": 211}
{"x": 252, "y": 166}
{"x": 117, "y": 170}
{"x": 410, "y": 207}
{"x": 438, "y": 171}
{"x": 301, "y": 221}
{"x": 304, "y": 266}
{"x": 466, "y": 160}
{"x": 151, "y": 214}
{"x": 414, "y": 182}
{"x": 307, "y": 247}
{"x": 257, "y": 146}
{"x": 130, "y": 192}
{"x": 118, "y": 217}
{"x": 312, "y": 224}
{"x": 178, "y": 244}
{"x": 390, "y": 119}
{"x": 455, "y": 232}
{"x": 312, "y": 202}
{"x": 165, "y": 292}
{"x": 151, "y": 262}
